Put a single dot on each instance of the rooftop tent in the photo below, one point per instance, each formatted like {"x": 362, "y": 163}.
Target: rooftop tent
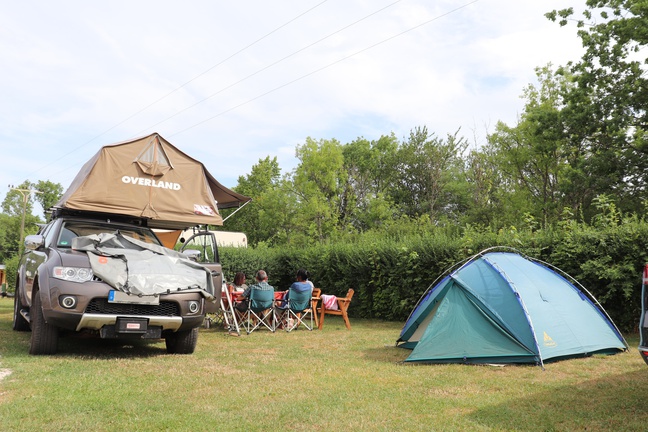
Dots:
{"x": 500, "y": 307}
{"x": 148, "y": 177}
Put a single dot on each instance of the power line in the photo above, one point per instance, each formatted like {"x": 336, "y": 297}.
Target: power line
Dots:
{"x": 267, "y": 67}
{"x": 272, "y": 64}
{"x": 180, "y": 87}
{"x": 324, "y": 67}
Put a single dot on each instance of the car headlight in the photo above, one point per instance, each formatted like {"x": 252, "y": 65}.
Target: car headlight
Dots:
{"x": 73, "y": 274}
{"x": 194, "y": 306}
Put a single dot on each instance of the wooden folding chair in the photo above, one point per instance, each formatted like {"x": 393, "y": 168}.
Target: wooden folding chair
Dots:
{"x": 342, "y": 304}
{"x": 314, "y": 300}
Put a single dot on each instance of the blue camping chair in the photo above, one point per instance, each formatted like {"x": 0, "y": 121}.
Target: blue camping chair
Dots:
{"x": 296, "y": 309}
{"x": 260, "y": 310}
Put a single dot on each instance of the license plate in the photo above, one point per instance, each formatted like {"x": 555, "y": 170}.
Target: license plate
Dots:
{"x": 122, "y": 297}
{"x": 132, "y": 325}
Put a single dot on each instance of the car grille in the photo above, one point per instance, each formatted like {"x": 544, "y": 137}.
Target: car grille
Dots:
{"x": 101, "y": 306}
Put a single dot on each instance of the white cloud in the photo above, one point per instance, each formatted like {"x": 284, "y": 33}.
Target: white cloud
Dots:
{"x": 78, "y": 74}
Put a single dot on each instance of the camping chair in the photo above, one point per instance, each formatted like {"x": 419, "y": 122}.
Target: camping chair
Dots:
{"x": 295, "y": 310}
{"x": 340, "y": 308}
{"x": 260, "y": 310}
{"x": 213, "y": 312}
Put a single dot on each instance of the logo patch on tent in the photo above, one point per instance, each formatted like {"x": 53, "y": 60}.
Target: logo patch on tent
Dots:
{"x": 548, "y": 342}
{"x": 203, "y": 210}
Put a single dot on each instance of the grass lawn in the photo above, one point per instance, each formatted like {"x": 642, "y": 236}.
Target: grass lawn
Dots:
{"x": 329, "y": 380}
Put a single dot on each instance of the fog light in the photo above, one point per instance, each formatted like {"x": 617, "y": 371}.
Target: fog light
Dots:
{"x": 68, "y": 302}
{"x": 194, "y": 306}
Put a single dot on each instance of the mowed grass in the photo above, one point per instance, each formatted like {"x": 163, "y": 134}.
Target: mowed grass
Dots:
{"x": 329, "y": 380}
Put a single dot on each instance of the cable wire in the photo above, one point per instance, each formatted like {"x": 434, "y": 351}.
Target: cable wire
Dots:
{"x": 180, "y": 87}
{"x": 323, "y": 68}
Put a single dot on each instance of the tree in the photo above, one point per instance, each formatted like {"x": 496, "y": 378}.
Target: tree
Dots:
{"x": 484, "y": 178}
{"x": 532, "y": 154}
{"x": 369, "y": 170}
{"x": 319, "y": 184}
{"x": 49, "y": 193}
{"x": 16, "y": 201}
{"x": 426, "y": 167}
{"x": 259, "y": 185}
{"x": 606, "y": 111}
{"x": 17, "y": 218}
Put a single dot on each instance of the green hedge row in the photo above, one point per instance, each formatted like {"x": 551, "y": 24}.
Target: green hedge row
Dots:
{"x": 389, "y": 276}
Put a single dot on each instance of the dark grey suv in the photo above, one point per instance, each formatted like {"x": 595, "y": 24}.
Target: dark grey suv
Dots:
{"x": 57, "y": 291}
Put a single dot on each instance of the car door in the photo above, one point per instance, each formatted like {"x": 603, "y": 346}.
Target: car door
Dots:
{"x": 204, "y": 250}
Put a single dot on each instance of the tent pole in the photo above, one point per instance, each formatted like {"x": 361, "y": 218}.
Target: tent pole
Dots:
{"x": 231, "y": 214}
{"x": 591, "y": 296}
{"x": 524, "y": 308}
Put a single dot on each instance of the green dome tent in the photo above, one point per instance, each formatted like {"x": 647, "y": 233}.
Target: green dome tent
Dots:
{"x": 500, "y": 307}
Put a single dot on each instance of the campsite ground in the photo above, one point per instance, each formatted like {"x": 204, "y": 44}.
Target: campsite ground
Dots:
{"x": 332, "y": 379}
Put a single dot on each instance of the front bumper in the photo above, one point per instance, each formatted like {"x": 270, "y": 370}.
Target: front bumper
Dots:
{"x": 92, "y": 310}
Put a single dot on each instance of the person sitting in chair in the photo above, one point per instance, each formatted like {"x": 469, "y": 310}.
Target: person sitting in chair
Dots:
{"x": 262, "y": 284}
{"x": 301, "y": 285}
{"x": 239, "y": 283}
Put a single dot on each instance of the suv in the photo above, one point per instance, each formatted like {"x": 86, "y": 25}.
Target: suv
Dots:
{"x": 57, "y": 291}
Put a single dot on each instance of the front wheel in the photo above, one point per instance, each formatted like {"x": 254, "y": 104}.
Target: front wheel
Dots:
{"x": 19, "y": 321}
{"x": 182, "y": 342}
{"x": 44, "y": 337}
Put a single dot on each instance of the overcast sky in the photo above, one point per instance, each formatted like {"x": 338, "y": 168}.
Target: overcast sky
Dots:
{"x": 231, "y": 82}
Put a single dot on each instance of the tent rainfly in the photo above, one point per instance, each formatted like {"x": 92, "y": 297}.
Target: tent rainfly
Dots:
{"x": 150, "y": 178}
{"x": 500, "y": 307}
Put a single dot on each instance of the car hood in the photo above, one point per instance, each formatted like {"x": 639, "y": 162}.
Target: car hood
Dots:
{"x": 140, "y": 268}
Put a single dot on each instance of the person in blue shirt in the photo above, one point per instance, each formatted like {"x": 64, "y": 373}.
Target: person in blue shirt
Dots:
{"x": 302, "y": 284}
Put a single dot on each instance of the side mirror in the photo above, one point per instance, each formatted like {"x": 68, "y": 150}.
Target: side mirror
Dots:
{"x": 192, "y": 254}
{"x": 34, "y": 241}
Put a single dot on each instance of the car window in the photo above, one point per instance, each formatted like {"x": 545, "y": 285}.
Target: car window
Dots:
{"x": 205, "y": 243}
{"x": 72, "y": 229}
{"x": 46, "y": 232}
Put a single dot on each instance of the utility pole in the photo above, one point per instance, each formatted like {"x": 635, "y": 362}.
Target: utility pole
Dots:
{"x": 26, "y": 193}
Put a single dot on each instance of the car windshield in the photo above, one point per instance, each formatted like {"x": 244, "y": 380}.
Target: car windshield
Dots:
{"x": 72, "y": 229}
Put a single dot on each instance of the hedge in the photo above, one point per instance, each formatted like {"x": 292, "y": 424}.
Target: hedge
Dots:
{"x": 389, "y": 276}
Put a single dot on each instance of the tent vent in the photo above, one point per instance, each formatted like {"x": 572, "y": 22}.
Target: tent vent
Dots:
{"x": 153, "y": 160}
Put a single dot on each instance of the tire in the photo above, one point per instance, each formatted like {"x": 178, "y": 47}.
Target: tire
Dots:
{"x": 182, "y": 342}
{"x": 44, "y": 337}
{"x": 19, "y": 321}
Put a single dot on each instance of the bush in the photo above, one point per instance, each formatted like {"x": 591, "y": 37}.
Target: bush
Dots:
{"x": 390, "y": 274}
